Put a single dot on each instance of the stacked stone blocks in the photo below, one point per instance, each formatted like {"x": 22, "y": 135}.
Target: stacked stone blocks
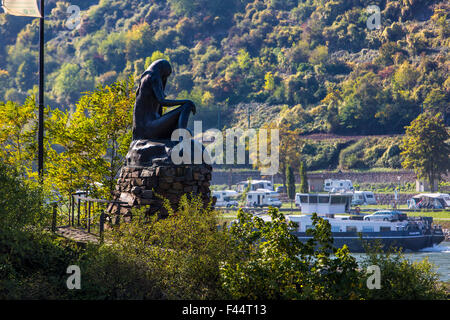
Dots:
{"x": 148, "y": 187}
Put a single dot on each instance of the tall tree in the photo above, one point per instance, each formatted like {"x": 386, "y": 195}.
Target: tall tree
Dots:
{"x": 303, "y": 179}
{"x": 93, "y": 140}
{"x": 290, "y": 179}
{"x": 425, "y": 147}
{"x": 290, "y": 146}
{"x": 18, "y": 130}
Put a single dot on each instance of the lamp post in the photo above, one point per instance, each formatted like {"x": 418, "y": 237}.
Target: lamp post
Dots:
{"x": 41, "y": 97}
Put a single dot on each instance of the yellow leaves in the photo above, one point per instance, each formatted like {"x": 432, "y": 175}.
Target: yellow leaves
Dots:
{"x": 137, "y": 31}
{"x": 269, "y": 83}
{"x": 17, "y": 133}
{"x": 207, "y": 98}
{"x": 439, "y": 15}
{"x": 405, "y": 76}
{"x": 424, "y": 146}
{"x": 156, "y": 55}
{"x": 333, "y": 97}
{"x": 318, "y": 55}
{"x": 318, "y": 110}
{"x": 90, "y": 143}
{"x": 243, "y": 59}
{"x": 447, "y": 84}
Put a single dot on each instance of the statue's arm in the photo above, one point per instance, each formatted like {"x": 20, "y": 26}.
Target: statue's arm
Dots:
{"x": 160, "y": 96}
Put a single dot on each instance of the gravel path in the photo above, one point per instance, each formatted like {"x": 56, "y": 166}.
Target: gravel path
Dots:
{"x": 78, "y": 235}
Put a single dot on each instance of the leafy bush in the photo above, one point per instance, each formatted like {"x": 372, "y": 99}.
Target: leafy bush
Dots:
{"x": 402, "y": 279}
{"x": 370, "y": 153}
{"x": 187, "y": 256}
{"x": 320, "y": 154}
{"x": 270, "y": 263}
{"x": 351, "y": 157}
{"x": 181, "y": 253}
{"x": 32, "y": 264}
{"x": 21, "y": 201}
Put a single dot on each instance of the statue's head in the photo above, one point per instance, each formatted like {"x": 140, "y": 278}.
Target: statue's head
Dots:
{"x": 162, "y": 66}
{"x": 164, "y": 69}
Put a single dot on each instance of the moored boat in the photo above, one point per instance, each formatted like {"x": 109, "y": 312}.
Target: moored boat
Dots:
{"x": 409, "y": 234}
{"x": 390, "y": 228}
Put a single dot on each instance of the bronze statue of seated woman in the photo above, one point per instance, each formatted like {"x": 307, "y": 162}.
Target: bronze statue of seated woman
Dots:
{"x": 148, "y": 120}
{"x": 152, "y": 130}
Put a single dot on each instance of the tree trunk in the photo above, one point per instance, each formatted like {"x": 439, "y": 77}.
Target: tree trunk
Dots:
{"x": 431, "y": 182}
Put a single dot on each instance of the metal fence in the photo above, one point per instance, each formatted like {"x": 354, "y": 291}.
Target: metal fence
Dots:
{"x": 86, "y": 213}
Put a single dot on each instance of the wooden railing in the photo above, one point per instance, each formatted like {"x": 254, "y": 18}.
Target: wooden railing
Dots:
{"x": 83, "y": 212}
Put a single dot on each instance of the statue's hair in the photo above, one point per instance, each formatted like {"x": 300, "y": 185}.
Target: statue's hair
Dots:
{"x": 160, "y": 67}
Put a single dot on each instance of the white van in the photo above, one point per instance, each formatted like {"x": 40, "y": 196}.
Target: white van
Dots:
{"x": 363, "y": 198}
{"x": 263, "y": 198}
{"x": 254, "y": 185}
{"x": 226, "y": 198}
{"x": 332, "y": 185}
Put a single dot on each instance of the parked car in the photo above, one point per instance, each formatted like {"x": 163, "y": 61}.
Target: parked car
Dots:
{"x": 281, "y": 189}
{"x": 386, "y": 215}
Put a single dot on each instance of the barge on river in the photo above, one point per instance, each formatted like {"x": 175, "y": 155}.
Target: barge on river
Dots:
{"x": 400, "y": 231}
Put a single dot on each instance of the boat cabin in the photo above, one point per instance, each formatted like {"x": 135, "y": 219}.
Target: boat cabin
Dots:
{"x": 345, "y": 224}
{"x": 324, "y": 203}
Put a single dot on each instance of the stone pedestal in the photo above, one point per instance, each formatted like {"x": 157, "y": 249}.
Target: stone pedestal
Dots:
{"x": 143, "y": 186}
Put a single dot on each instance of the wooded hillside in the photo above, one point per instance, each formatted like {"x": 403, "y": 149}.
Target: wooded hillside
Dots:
{"x": 314, "y": 62}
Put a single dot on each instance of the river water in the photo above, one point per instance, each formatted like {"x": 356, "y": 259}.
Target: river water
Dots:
{"x": 438, "y": 255}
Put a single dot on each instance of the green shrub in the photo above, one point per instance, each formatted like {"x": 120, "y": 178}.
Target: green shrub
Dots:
{"x": 322, "y": 155}
{"x": 189, "y": 256}
{"x": 268, "y": 262}
{"x": 32, "y": 264}
{"x": 112, "y": 273}
{"x": 371, "y": 152}
{"x": 182, "y": 253}
{"x": 402, "y": 279}
{"x": 21, "y": 201}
